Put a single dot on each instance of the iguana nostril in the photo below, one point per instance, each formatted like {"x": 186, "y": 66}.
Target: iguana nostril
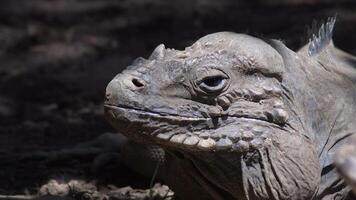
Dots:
{"x": 138, "y": 83}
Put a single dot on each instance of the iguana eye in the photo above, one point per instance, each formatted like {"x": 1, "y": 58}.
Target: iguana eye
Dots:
{"x": 213, "y": 81}
{"x": 209, "y": 80}
{"x": 212, "y": 84}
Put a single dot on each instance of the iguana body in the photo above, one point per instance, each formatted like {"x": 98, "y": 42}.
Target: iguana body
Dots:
{"x": 237, "y": 117}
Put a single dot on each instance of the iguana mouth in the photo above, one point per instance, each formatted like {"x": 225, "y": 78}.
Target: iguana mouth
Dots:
{"x": 158, "y": 114}
{"x": 193, "y": 133}
{"x": 174, "y": 117}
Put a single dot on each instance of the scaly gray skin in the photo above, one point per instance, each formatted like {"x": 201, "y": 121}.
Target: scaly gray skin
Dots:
{"x": 346, "y": 163}
{"x": 237, "y": 117}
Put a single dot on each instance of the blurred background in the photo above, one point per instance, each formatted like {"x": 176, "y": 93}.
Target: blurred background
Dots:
{"x": 56, "y": 57}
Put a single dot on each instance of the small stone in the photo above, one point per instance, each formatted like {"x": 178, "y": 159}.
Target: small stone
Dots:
{"x": 54, "y": 188}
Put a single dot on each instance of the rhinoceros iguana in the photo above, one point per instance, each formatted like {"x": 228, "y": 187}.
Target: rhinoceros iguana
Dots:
{"x": 237, "y": 117}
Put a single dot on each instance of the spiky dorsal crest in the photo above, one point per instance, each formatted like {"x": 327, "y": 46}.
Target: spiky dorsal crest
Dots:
{"x": 320, "y": 38}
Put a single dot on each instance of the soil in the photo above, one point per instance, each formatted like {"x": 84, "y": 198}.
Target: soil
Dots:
{"x": 56, "y": 57}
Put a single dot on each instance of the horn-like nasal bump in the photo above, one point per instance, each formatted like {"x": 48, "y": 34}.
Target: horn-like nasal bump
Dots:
{"x": 158, "y": 53}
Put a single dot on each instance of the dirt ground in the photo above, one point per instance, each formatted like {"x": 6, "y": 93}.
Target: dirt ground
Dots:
{"x": 56, "y": 57}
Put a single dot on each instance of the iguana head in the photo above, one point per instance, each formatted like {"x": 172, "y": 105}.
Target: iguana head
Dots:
{"x": 223, "y": 92}
{"x": 227, "y": 94}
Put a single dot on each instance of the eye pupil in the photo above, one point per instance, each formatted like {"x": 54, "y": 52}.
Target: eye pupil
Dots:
{"x": 213, "y": 82}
